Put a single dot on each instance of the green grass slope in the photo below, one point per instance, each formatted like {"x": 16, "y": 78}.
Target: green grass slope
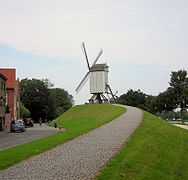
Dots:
{"x": 88, "y": 117}
{"x": 77, "y": 121}
{"x": 156, "y": 150}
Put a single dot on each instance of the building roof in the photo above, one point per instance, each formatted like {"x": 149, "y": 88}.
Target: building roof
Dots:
{"x": 10, "y": 74}
{"x": 99, "y": 67}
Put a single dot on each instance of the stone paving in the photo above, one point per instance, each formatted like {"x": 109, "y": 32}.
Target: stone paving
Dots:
{"x": 80, "y": 158}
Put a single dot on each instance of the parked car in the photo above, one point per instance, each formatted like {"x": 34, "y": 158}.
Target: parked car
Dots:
{"x": 17, "y": 125}
{"x": 28, "y": 122}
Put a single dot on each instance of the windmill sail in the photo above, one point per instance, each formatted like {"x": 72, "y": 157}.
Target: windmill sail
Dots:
{"x": 96, "y": 59}
{"x": 82, "y": 83}
{"x": 85, "y": 53}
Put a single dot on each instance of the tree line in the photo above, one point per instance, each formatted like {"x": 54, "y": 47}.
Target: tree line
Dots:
{"x": 40, "y": 100}
{"x": 175, "y": 96}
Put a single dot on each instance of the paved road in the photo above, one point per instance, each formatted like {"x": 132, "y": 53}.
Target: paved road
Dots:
{"x": 8, "y": 139}
{"x": 182, "y": 126}
{"x": 80, "y": 158}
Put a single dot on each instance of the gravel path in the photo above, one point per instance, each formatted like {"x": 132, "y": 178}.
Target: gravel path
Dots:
{"x": 80, "y": 158}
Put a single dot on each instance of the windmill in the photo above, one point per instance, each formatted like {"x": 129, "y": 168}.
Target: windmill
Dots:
{"x": 98, "y": 75}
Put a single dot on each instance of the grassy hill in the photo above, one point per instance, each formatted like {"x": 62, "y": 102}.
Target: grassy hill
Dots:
{"x": 156, "y": 150}
{"x": 88, "y": 117}
{"x": 77, "y": 121}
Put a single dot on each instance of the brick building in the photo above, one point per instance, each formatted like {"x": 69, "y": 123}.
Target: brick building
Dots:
{"x": 13, "y": 95}
{"x": 2, "y": 101}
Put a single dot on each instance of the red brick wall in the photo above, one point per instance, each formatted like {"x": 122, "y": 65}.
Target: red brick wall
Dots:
{"x": 10, "y": 74}
{"x": 13, "y": 92}
{"x": 10, "y": 99}
{"x": 17, "y": 98}
{"x": 7, "y": 121}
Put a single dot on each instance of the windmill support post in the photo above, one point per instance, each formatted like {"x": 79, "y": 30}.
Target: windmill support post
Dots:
{"x": 114, "y": 97}
{"x": 98, "y": 98}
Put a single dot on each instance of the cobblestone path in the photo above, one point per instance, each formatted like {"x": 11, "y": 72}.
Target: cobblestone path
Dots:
{"x": 80, "y": 158}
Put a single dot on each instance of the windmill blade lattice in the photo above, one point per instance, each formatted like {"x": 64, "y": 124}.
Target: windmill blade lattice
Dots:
{"x": 85, "y": 53}
{"x": 98, "y": 56}
{"x": 82, "y": 83}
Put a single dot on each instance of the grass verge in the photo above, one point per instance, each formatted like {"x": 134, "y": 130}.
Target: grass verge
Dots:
{"x": 156, "y": 150}
{"x": 77, "y": 121}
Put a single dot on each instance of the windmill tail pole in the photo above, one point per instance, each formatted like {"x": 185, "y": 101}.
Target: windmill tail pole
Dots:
{"x": 113, "y": 96}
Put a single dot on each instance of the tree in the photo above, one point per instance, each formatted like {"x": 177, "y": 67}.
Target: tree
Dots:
{"x": 48, "y": 83}
{"x": 173, "y": 97}
{"x": 42, "y": 100}
{"x": 60, "y": 101}
{"x": 133, "y": 98}
{"x": 166, "y": 101}
{"x": 24, "y": 112}
{"x": 34, "y": 95}
{"x": 151, "y": 104}
{"x": 179, "y": 84}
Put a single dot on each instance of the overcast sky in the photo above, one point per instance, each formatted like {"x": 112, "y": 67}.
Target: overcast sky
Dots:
{"x": 143, "y": 41}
